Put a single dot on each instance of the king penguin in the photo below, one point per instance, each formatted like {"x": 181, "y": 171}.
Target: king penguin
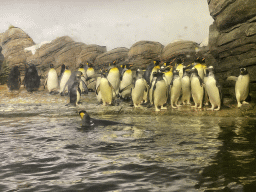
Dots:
{"x": 175, "y": 89}
{"x": 197, "y": 89}
{"x": 213, "y": 89}
{"x": 241, "y": 86}
{"x": 179, "y": 67}
{"x": 75, "y": 91}
{"x": 63, "y": 67}
{"x": 31, "y": 79}
{"x": 186, "y": 87}
{"x": 52, "y": 80}
{"x": 14, "y": 81}
{"x": 140, "y": 86}
{"x": 64, "y": 79}
{"x": 126, "y": 80}
{"x": 160, "y": 91}
{"x": 114, "y": 77}
{"x": 91, "y": 84}
{"x": 83, "y": 79}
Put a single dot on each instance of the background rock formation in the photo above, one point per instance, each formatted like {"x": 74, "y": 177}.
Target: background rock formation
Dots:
{"x": 232, "y": 40}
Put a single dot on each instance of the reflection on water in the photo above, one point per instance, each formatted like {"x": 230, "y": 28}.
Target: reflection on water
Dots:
{"x": 158, "y": 153}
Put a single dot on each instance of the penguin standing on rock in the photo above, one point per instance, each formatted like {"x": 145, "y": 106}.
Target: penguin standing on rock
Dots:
{"x": 175, "y": 89}
{"x": 64, "y": 79}
{"x": 14, "y": 81}
{"x": 52, "y": 80}
{"x": 213, "y": 89}
{"x": 160, "y": 93}
{"x": 242, "y": 86}
{"x": 197, "y": 89}
{"x": 31, "y": 79}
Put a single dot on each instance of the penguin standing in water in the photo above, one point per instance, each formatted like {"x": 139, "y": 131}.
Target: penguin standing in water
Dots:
{"x": 31, "y": 79}
{"x": 126, "y": 80}
{"x": 197, "y": 89}
{"x": 213, "y": 90}
{"x": 64, "y": 79}
{"x": 159, "y": 91}
{"x": 175, "y": 89}
{"x": 14, "y": 81}
{"x": 52, "y": 80}
{"x": 114, "y": 77}
{"x": 75, "y": 91}
{"x": 140, "y": 86}
{"x": 241, "y": 86}
{"x": 186, "y": 87}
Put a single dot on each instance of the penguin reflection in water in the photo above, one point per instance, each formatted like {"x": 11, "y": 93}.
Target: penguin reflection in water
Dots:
{"x": 241, "y": 86}
{"x": 88, "y": 122}
{"x": 14, "y": 81}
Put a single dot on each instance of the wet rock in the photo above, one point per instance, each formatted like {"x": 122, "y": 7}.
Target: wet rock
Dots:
{"x": 143, "y": 52}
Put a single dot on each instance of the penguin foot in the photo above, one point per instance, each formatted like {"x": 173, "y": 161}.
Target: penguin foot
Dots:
{"x": 244, "y": 102}
{"x": 157, "y": 109}
{"x": 174, "y": 107}
{"x": 217, "y": 109}
{"x": 210, "y": 109}
{"x": 164, "y": 108}
{"x": 239, "y": 104}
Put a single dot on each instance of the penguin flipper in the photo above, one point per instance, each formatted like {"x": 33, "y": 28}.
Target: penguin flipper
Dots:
{"x": 201, "y": 81}
{"x": 232, "y": 78}
{"x": 127, "y": 87}
{"x": 97, "y": 90}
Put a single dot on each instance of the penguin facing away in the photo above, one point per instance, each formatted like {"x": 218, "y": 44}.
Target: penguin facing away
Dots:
{"x": 52, "y": 80}
{"x": 175, "y": 89}
{"x": 14, "y": 81}
{"x": 160, "y": 91}
{"x": 31, "y": 79}
{"x": 241, "y": 86}
{"x": 197, "y": 89}
{"x": 213, "y": 90}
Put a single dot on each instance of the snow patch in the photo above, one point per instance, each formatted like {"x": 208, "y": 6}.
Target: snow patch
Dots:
{"x": 35, "y": 47}
{"x": 205, "y": 42}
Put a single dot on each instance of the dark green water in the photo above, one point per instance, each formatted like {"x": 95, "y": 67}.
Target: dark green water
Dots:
{"x": 42, "y": 152}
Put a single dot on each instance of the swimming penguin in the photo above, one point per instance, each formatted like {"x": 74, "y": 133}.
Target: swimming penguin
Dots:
{"x": 91, "y": 84}
{"x": 175, "y": 89}
{"x": 186, "y": 87}
{"x": 114, "y": 77}
{"x": 197, "y": 89}
{"x": 242, "y": 86}
{"x": 52, "y": 80}
{"x": 75, "y": 91}
{"x": 140, "y": 86}
{"x": 64, "y": 79}
{"x": 88, "y": 122}
{"x": 14, "y": 81}
{"x": 159, "y": 91}
{"x": 31, "y": 79}
{"x": 213, "y": 89}
{"x": 106, "y": 90}
{"x": 126, "y": 80}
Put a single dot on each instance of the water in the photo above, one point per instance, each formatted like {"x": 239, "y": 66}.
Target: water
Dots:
{"x": 44, "y": 148}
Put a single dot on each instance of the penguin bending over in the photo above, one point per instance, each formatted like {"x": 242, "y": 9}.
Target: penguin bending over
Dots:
{"x": 159, "y": 91}
{"x": 175, "y": 89}
{"x": 241, "y": 86}
{"x": 64, "y": 79}
{"x": 14, "y": 81}
{"x": 197, "y": 89}
{"x": 31, "y": 79}
{"x": 88, "y": 122}
{"x": 51, "y": 80}
{"x": 213, "y": 90}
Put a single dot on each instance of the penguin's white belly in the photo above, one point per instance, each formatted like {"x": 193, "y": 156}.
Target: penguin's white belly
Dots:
{"x": 77, "y": 96}
{"x": 160, "y": 93}
{"x": 176, "y": 90}
{"x": 185, "y": 87}
{"x": 213, "y": 91}
{"x": 52, "y": 81}
{"x": 126, "y": 81}
{"x": 114, "y": 79}
{"x": 197, "y": 90}
{"x": 64, "y": 79}
{"x": 138, "y": 91}
{"x": 242, "y": 87}
{"x": 106, "y": 91}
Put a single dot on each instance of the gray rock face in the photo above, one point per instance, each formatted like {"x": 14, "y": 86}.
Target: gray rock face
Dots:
{"x": 232, "y": 39}
{"x": 143, "y": 52}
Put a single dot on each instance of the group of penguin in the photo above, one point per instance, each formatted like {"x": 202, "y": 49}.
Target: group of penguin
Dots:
{"x": 172, "y": 83}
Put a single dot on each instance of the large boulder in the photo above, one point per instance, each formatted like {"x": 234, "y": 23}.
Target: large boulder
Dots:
{"x": 14, "y": 40}
{"x": 232, "y": 39}
{"x": 143, "y": 52}
{"x": 182, "y": 49}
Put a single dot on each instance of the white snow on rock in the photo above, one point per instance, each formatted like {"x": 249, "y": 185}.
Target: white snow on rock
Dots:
{"x": 205, "y": 42}
{"x": 35, "y": 47}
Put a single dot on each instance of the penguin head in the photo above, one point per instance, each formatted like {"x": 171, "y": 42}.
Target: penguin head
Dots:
{"x": 176, "y": 73}
{"x": 209, "y": 71}
{"x": 81, "y": 65}
{"x": 63, "y": 67}
{"x": 243, "y": 71}
{"x": 179, "y": 61}
{"x": 51, "y": 66}
{"x": 85, "y": 118}
{"x": 15, "y": 71}
{"x": 194, "y": 71}
{"x": 67, "y": 67}
{"x": 156, "y": 62}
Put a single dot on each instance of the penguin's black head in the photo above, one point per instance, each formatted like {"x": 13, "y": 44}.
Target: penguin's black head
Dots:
{"x": 156, "y": 62}
{"x": 129, "y": 66}
{"x": 243, "y": 71}
{"x": 51, "y": 66}
{"x": 175, "y": 72}
{"x": 197, "y": 60}
{"x": 15, "y": 71}
{"x": 81, "y": 65}
{"x": 90, "y": 65}
{"x": 194, "y": 71}
{"x": 63, "y": 66}
{"x": 85, "y": 117}
{"x": 178, "y": 60}
{"x": 67, "y": 67}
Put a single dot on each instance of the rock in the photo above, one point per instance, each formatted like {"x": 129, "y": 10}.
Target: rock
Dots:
{"x": 143, "y": 52}
{"x": 14, "y": 40}
{"x": 180, "y": 48}
{"x": 1, "y": 59}
{"x": 120, "y": 54}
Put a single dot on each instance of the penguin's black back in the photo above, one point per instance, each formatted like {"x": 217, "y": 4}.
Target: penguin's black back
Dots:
{"x": 73, "y": 92}
{"x": 32, "y": 80}
{"x": 13, "y": 82}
